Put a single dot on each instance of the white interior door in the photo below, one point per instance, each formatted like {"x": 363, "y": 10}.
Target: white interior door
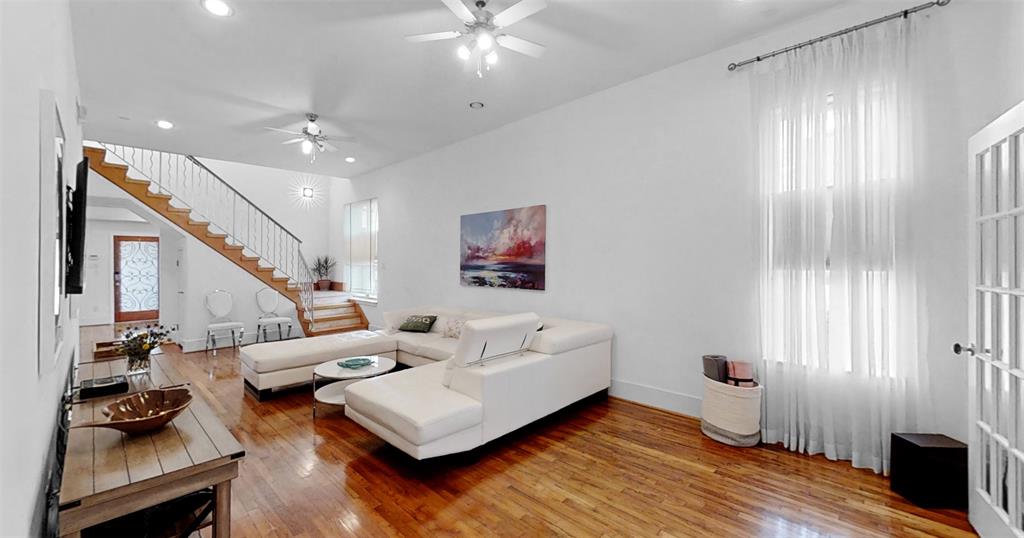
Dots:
{"x": 996, "y": 389}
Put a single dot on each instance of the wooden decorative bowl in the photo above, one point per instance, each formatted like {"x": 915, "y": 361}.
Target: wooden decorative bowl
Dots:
{"x": 143, "y": 412}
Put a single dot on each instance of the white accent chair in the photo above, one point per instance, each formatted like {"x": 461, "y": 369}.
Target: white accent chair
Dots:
{"x": 220, "y": 303}
{"x": 268, "y": 300}
{"x": 496, "y": 382}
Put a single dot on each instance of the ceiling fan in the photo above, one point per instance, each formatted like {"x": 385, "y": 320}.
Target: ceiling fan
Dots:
{"x": 312, "y": 138}
{"x": 481, "y": 28}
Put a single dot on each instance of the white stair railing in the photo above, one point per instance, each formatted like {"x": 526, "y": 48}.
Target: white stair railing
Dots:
{"x": 193, "y": 186}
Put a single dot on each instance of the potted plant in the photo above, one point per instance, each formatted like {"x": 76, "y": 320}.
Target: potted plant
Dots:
{"x": 139, "y": 343}
{"x": 322, "y": 267}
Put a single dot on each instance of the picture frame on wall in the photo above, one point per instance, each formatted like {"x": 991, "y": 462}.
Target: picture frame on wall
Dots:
{"x": 504, "y": 249}
{"x": 51, "y": 248}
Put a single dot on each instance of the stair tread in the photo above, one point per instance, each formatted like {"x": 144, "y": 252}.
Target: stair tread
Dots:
{"x": 329, "y": 330}
{"x": 173, "y": 209}
{"x": 337, "y": 317}
{"x": 233, "y": 247}
{"x": 159, "y": 195}
{"x": 331, "y": 306}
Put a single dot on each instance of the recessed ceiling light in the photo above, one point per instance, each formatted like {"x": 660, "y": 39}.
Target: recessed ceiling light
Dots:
{"x": 307, "y": 192}
{"x": 164, "y": 124}
{"x": 476, "y": 104}
{"x": 219, "y": 8}
{"x": 350, "y": 159}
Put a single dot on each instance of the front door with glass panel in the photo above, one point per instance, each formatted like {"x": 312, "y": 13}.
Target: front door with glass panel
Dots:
{"x": 136, "y": 278}
{"x": 996, "y": 354}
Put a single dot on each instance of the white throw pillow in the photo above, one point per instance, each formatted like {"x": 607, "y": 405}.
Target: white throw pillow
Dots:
{"x": 453, "y": 327}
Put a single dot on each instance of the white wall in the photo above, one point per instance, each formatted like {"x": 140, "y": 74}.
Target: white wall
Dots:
{"x": 97, "y": 305}
{"x": 189, "y": 270}
{"x": 172, "y": 254}
{"x": 204, "y": 271}
{"x": 97, "y": 302}
{"x": 652, "y": 211}
{"x": 35, "y": 53}
{"x": 278, "y": 193}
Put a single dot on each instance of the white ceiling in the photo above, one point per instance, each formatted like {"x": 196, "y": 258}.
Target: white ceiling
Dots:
{"x": 221, "y": 80}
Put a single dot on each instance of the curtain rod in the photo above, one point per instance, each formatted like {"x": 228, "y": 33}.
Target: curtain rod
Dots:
{"x": 905, "y": 13}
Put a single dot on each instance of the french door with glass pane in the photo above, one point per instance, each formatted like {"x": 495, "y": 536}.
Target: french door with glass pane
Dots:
{"x": 136, "y": 278}
{"x": 996, "y": 388}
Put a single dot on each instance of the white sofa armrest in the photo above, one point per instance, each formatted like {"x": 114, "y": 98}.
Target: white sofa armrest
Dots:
{"x": 561, "y": 335}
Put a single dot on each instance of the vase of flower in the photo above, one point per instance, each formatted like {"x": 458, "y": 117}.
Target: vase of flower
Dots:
{"x": 138, "y": 364}
{"x": 138, "y": 344}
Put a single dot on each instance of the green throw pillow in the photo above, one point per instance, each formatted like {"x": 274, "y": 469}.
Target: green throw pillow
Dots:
{"x": 418, "y": 324}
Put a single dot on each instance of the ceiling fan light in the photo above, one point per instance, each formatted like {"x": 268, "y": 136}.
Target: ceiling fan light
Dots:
{"x": 307, "y": 147}
{"x": 463, "y": 52}
{"x": 485, "y": 40}
{"x": 219, "y": 8}
{"x": 492, "y": 58}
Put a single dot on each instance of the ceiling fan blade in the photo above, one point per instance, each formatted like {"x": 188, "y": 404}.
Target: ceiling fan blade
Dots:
{"x": 328, "y": 147}
{"x": 460, "y": 10}
{"x": 294, "y": 140}
{"x": 518, "y": 12}
{"x": 282, "y": 130}
{"x": 521, "y": 45}
{"x": 436, "y": 36}
{"x": 342, "y": 138}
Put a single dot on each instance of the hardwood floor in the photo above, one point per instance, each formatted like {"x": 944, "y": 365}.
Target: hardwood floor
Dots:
{"x": 601, "y": 467}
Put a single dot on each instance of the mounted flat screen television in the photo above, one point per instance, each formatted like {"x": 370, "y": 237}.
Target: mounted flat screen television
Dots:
{"x": 75, "y": 255}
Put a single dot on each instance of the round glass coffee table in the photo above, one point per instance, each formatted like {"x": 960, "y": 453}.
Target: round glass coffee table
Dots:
{"x": 334, "y": 393}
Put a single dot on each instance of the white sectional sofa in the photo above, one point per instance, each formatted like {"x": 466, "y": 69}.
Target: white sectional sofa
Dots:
{"x": 270, "y": 366}
{"x": 500, "y": 374}
{"x": 483, "y": 391}
{"x": 487, "y": 387}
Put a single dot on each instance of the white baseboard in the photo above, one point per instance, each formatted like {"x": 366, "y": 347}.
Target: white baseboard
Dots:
{"x": 678, "y": 402}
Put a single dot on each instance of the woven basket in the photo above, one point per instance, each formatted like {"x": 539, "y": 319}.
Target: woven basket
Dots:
{"x": 731, "y": 414}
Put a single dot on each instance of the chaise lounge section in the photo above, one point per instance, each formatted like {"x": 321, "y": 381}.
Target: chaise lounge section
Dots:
{"x": 503, "y": 375}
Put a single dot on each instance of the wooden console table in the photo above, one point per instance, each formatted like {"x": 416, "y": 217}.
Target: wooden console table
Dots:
{"x": 108, "y": 474}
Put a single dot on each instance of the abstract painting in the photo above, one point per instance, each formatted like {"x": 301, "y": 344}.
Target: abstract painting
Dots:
{"x": 504, "y": 249}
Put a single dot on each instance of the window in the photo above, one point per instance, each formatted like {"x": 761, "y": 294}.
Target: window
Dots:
{"x": 361, "y": 220}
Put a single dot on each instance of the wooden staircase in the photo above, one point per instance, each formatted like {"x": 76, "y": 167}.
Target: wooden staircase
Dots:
{"x": 338, "y": 317}
{"x": 315, "y": 319}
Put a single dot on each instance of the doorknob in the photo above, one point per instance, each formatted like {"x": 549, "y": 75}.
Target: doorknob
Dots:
{"x": 958, "y": 349}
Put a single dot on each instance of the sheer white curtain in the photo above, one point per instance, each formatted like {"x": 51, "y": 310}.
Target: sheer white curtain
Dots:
{"x": 842, "y": 367}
